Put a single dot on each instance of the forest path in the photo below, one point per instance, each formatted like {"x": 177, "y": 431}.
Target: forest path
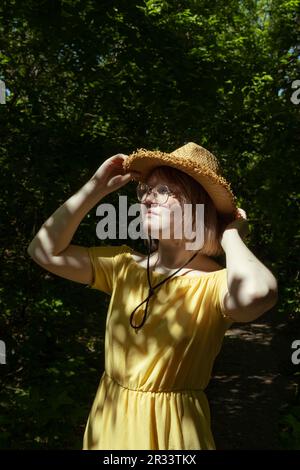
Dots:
{"x": 250, "y": 385}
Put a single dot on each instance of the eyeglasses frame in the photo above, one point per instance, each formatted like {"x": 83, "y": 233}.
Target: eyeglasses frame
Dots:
{"x": 150, "y": 190}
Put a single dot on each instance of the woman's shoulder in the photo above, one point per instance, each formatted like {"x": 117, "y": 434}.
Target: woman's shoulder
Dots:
{"x": 109, "y": 251}
{"x": 212, "y": 264}
{"x": 193, "y": 270}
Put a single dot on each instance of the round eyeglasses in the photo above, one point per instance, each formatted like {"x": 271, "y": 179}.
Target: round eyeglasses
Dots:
{"x": 161, "y": 192}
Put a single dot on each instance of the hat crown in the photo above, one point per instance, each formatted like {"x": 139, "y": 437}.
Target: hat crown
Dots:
{"x": 199, "y": 156}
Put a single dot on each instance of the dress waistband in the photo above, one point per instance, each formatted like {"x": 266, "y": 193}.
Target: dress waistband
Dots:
{"x": 186, "y": 391}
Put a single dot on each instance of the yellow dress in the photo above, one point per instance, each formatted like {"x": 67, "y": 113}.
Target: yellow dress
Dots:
{"x": 151, "y": 394}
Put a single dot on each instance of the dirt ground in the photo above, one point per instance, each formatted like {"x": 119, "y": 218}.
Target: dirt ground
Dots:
{"x": 250, "y": 384}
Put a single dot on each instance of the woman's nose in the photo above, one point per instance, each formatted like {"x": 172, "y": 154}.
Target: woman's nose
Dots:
{"x": 149, "y": 198}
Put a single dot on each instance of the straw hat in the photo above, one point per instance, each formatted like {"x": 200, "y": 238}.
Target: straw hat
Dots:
{"x": 194, "y": 160}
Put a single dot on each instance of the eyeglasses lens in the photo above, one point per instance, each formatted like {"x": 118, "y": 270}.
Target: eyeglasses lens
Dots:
{"x": 161, "y": 192}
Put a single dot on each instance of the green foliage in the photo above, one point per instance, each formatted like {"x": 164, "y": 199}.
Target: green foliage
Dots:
{"x": 290, "y": 423}
{"x": 90, "y": 79}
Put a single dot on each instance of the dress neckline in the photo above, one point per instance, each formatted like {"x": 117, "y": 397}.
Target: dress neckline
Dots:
{"x": 180, "y": 277}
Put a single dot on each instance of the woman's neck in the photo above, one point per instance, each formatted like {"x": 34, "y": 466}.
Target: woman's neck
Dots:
{"x": 173, "y": 255}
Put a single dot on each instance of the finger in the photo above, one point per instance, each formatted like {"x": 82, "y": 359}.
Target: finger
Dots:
{"x": 135, "y": 175}
{"x": 122, "y": 155}
{"x": 242, "y": 213}
{"x": 119, "y": 180}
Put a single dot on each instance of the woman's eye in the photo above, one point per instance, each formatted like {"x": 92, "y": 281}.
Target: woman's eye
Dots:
{"x": 162, "y": 189}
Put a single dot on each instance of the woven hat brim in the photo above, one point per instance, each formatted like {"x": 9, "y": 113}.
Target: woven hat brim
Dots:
{"x": 217, "y": 187}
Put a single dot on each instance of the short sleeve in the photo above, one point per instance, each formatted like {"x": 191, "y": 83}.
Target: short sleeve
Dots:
{"x": 219, "y": 290}
{"x": 103, "y": 259}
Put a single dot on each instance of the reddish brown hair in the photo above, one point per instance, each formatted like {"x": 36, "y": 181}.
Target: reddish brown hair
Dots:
{"x": 194, "y": 193}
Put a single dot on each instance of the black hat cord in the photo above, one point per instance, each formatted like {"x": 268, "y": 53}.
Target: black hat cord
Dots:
{"x": 151, "y": 290}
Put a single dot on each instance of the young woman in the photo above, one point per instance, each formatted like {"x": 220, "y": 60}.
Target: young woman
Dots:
{"x": 169, "y": 310}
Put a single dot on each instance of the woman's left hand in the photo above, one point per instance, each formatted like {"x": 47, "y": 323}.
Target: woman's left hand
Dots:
{"x": 240, "y": 223}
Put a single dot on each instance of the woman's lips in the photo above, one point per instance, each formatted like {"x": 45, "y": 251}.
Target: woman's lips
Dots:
{"x": 152, "y": 212}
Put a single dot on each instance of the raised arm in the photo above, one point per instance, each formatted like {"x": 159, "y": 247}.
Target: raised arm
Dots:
{"x": 252, "y": 288}
{"x": 51, "y": 248}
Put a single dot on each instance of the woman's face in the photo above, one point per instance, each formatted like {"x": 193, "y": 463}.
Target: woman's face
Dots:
{"x": 162, "y": 221}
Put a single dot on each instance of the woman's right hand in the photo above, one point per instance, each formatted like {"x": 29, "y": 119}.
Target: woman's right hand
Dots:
{"x": 110, "y": 176}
